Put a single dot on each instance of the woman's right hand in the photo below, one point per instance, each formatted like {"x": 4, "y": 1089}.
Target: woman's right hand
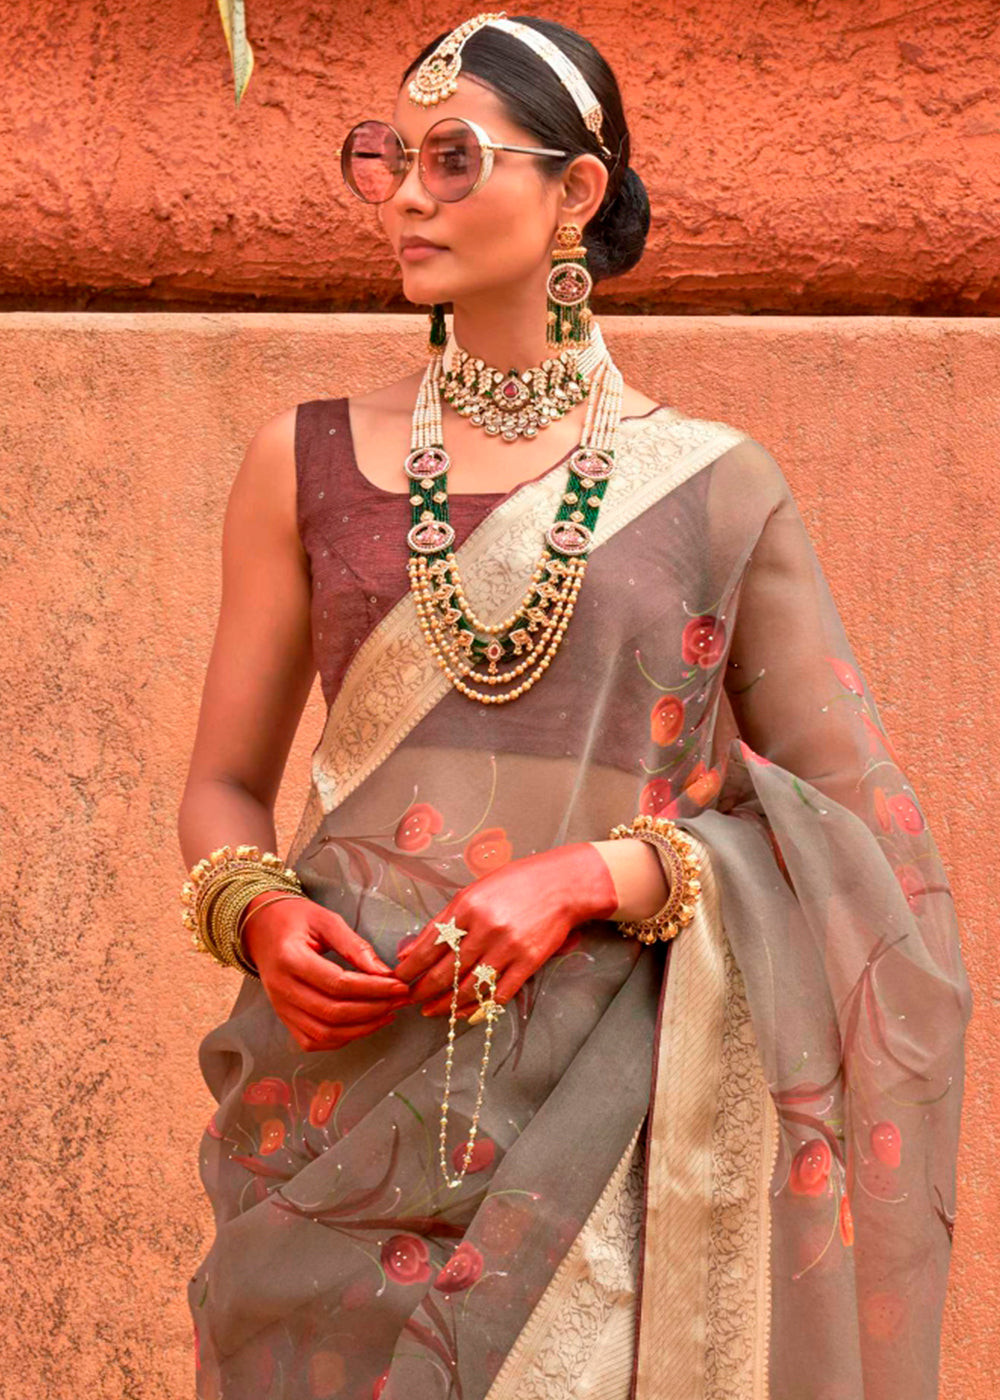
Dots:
{"x": 323, "y": 1005}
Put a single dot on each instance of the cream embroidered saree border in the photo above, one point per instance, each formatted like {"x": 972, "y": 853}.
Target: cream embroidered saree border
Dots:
{"x": 394, "y": 681}
{"x": 703, "y": 1325}
{"x": 704, "y": 1310}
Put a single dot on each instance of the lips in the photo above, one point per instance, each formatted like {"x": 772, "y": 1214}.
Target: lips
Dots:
{"x": 419, "y": 243}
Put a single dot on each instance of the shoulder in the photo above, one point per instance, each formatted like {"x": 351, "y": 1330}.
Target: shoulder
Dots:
{"x": 265, "y": 482}
{"x": 388, "y": 402}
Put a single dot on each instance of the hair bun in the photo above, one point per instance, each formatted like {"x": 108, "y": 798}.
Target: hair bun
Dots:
{"x": 616, "y": 235}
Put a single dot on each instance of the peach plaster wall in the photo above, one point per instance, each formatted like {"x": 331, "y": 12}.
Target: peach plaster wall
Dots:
{"x": 119, "y": 437}
{"x": 830, "y": 156}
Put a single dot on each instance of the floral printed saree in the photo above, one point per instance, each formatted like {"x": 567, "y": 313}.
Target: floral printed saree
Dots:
{"x": 723, "y": 1167}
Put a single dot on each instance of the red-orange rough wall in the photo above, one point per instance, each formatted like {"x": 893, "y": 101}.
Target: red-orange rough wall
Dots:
{"x": 831, "y": 156}
{"x": 119, "y": 438}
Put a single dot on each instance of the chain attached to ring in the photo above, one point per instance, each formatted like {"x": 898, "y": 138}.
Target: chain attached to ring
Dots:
{"x": 489, "y": 1008}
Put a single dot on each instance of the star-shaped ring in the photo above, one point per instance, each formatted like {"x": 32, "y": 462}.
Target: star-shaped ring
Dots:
{"x": 450, "y": 934}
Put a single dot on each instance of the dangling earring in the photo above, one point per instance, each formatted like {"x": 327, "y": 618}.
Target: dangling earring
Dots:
{"x": 438, "y": 330}
{"x": 568, "y": 314}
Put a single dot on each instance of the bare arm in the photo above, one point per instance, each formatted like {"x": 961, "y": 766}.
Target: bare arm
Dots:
{"x": 261, "y": 666}
{"x": 638, "y": 875}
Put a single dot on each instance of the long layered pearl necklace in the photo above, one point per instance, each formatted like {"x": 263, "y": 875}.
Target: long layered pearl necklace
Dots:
{"x": 459, "y": 639}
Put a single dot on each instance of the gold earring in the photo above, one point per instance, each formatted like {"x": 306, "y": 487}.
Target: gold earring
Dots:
{"x": 568, "y": 315}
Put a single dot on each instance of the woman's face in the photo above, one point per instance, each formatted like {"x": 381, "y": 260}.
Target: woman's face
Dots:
{"x": 498, "y": 236}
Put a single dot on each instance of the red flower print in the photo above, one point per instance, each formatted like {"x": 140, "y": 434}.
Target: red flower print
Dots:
{"x": 907, "y": 814}
{"x": 212, "y": 1128}
{"x": 751, "y": 756}
{"x": 380, "y": 1384}
{"x": 326, "y": 1374}
{"x": 417, "y": 825}
{"x": 666, "y": 720}
{"x": 702, "y": 784}
{"x": 484, "y": 1149}
{"x": 324, "y": 1101}
{"x": 488, "y": 851}
{"x": 811, "y": 1168}
{"x": 883, "y": 1315}
{"x": 272, "y": 1135}
{"x": 846, "y": 1222}
{"x": 887, "y": 1143}
{"x": 881, "y": 806}
{"x": 847, "y": 675}
{"x": 655, "y": 799}
{"x": 703, "y": 640}
{"x": 461, "y": 1270}
{"x": 506, "y": 1220}
{"x": 268, "y": 1091}
{"x": 406, "y": 1259}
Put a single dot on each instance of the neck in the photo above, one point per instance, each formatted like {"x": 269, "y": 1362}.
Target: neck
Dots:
{"x": 511, "y": 335}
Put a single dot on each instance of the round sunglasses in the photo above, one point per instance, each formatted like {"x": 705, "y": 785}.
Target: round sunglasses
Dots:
{"x": 455, "y": 159}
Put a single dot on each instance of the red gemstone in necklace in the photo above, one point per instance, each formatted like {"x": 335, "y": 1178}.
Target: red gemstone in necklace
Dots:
{"x": 513, "y": 391}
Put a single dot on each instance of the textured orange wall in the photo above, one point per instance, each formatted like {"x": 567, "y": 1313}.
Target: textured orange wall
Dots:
{"x": 831, "y": 156}
{"x": 119, "y": 437}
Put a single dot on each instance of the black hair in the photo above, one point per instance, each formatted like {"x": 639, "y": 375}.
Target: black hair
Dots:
{"x": 537, "y": 101}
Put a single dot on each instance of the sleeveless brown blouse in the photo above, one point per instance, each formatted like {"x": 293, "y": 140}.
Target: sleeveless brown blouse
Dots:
{"x": 354, "y": 533}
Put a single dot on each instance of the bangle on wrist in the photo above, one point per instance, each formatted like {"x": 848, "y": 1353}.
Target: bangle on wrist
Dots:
{"x": 677, "y": 852}
{"x": 215, "y": 897}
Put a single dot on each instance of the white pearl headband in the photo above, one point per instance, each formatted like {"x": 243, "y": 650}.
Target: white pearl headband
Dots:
{"x": 437, "y": 76}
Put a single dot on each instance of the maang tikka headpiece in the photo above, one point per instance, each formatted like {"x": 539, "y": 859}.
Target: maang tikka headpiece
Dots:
{"x": 437, "y": 76}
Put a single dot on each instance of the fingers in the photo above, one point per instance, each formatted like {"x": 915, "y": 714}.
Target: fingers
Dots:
{"x": 467, "y": 1002}
{"x": 508, "y": 985}
{"x": 329, "y": 931}
{"x": 338, "y": 1011}
{"x": 439, "y": 978}
{"x": 345, "y": 985}
{"x": 426, "y": 952}
{"x": 314, "y": 1034}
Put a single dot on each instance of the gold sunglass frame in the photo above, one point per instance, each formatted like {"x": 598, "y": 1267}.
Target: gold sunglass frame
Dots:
{"x": 487, "y": 149}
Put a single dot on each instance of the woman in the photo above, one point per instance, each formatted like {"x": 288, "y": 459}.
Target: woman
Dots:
{"x": 733, "y": 1178}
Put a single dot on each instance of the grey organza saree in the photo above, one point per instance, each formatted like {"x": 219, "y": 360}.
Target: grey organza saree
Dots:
{"x": 719, "y": 1168}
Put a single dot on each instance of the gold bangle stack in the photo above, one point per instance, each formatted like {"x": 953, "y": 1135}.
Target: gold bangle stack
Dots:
{"x": 215, "y": 897}
{"x": 685, "y": 886}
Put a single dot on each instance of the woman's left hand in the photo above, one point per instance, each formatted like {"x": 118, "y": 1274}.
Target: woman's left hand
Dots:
{"x": 516, "y": 917}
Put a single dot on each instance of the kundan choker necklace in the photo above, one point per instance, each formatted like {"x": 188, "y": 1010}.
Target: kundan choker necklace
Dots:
{"x": 514, "y": 404}
{"x": 518, "y": 650}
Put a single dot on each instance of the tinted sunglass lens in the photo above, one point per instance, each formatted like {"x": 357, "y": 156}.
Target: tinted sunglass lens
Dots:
{"x": 373, "y": 161}
{"x": 450, "y": 160}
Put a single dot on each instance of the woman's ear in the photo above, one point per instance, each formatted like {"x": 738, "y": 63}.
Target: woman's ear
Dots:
{"x": 584, "y": 183}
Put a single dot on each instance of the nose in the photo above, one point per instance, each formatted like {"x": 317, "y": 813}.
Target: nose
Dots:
{"x": 411, "y": 194}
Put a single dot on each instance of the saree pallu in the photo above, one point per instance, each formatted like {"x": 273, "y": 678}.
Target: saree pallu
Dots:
{"x": 723, "y": 1167}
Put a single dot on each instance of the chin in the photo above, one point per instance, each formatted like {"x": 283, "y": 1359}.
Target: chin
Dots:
{"x": 425, "y": 293}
